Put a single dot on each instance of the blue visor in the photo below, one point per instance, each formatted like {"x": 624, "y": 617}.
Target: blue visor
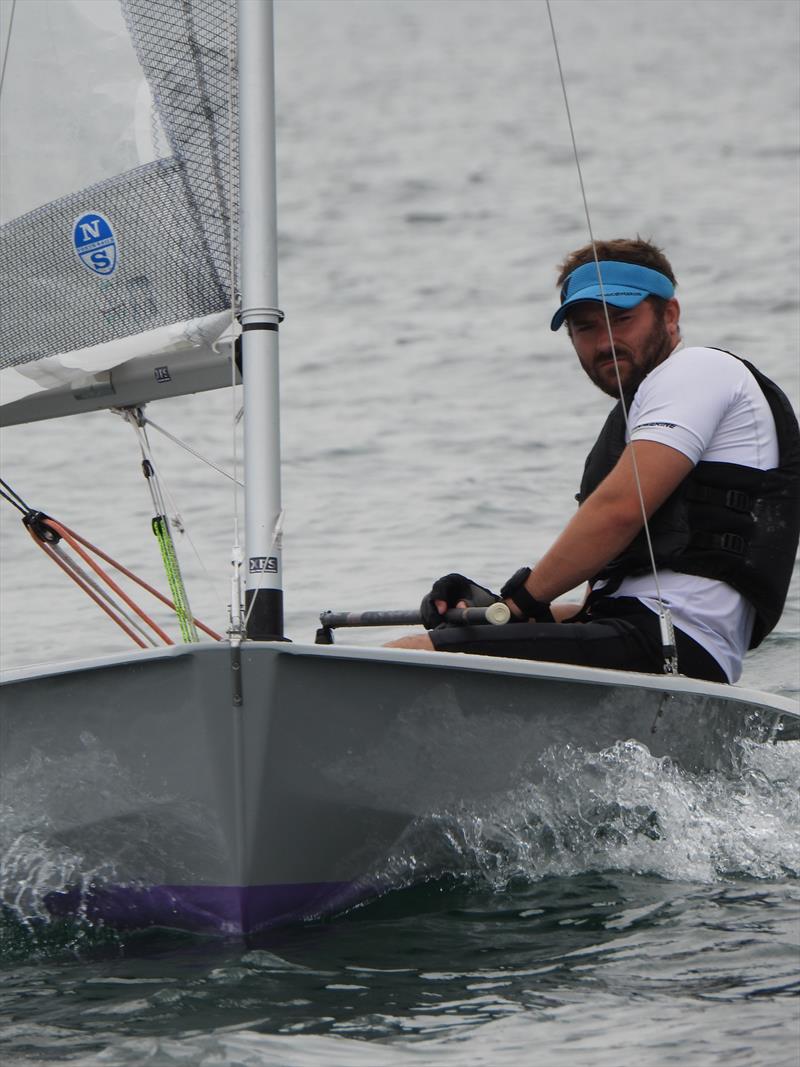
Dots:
{"x": 624, "y": 286}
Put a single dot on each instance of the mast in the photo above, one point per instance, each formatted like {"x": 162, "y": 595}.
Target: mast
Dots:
{"x": 260, "y": 318}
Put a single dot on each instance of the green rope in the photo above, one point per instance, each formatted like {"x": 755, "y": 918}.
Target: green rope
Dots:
{"x": 175, "y": 579}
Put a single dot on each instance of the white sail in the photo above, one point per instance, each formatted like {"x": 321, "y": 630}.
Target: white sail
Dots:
{"x": 133, "y": 267}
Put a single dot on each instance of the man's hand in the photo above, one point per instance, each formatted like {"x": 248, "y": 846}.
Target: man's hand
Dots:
{"x": 600, "y": 530}
{"x": 453, "y": 591}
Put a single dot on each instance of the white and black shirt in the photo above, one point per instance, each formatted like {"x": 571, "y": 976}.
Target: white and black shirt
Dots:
{"x": 707, "y": 405}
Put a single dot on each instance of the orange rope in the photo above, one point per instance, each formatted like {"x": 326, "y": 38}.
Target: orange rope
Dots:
{"x": 75, "y": 546}
{"x": 66, "y": 533}
{"x": 87, "y": 589}
{"x": 75, "y": 541}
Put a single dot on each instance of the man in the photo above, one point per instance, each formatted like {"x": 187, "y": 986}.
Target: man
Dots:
{"x": 710, "y": 454}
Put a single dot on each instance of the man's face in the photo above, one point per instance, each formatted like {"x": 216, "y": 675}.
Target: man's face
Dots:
{"x": 643, "y": 338}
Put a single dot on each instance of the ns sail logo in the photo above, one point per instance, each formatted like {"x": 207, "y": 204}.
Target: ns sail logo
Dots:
{"x": 95, "y": 243}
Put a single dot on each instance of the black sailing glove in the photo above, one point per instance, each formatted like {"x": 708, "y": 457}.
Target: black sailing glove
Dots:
{"x": 453, "y": 588}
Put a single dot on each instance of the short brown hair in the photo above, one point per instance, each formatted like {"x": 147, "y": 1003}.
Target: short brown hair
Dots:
{"x": 623, "y": 250}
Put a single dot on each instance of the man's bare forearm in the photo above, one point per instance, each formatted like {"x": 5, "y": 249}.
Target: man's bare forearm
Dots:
{"x": 609, "y": 520}
{"x": 591, "y": 539}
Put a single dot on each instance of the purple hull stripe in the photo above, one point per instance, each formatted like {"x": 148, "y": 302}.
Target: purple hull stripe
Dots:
{"x": 227, "y": 910}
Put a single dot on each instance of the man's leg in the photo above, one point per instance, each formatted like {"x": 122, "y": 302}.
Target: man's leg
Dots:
{"x": 632, "y": 643}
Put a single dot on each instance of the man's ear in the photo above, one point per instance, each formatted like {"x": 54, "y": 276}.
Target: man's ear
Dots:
{"x": 672, "y": 315}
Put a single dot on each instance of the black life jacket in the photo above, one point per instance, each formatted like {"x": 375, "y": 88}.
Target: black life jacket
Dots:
{"x": 736, "y": 524}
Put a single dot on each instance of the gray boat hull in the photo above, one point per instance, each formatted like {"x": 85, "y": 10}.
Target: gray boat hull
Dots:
{"x": 184, "y": 810}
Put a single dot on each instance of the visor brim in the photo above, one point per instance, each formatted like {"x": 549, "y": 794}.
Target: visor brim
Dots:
{"x": 613, "y": 296}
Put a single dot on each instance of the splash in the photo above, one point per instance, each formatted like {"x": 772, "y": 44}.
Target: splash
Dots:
{"x": 617, "y": 809}
{"x": 35, "y": 864}
{"x": 51, "y": 847}
{"x": 620, "y": 809}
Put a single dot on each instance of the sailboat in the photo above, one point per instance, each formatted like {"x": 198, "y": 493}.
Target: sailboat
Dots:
{"x": 254, "y": 781}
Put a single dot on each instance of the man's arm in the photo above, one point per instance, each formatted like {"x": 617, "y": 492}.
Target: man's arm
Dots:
{"x": 609, "y": 519}
{"x": 601, "y": 528}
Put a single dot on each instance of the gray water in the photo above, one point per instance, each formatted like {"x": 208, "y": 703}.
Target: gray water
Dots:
{"x": 622, "y": 912}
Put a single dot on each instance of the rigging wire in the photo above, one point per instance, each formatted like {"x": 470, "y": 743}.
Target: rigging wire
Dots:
{"x": 86, "y": 582}
{"x": 7, "y": 493}
{"x": 62, "y": 529}
{"x": 161, "y": 528}
{"x": 81, "y": 579}
{"x": 47, "y": 533}
{"x": 667, "y": 634}
{"x": 183, "y": 529}
{"x": 277, "y": 535}
{"x": 7, "y": 45}
{"x": 78, "y": 543}
{"x": 147, "y": 421}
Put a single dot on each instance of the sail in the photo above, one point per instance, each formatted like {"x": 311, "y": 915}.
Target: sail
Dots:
{"x": 116, "y": 291}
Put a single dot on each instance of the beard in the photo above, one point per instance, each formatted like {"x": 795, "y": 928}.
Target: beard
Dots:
{"x": 633, "y": 369}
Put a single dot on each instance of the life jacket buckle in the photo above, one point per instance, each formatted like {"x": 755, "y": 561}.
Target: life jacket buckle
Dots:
{"x": 736, "y": 500}
{"x": 731, "y": 542}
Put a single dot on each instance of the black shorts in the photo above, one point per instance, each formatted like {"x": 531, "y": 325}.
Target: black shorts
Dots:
{"x": 620, "y": 632}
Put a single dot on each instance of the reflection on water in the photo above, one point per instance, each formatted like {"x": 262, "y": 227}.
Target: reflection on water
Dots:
{"x": 581, "y": 959}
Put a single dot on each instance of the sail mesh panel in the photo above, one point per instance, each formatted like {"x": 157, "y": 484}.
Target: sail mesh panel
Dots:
{"x": 171, "y": 218}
